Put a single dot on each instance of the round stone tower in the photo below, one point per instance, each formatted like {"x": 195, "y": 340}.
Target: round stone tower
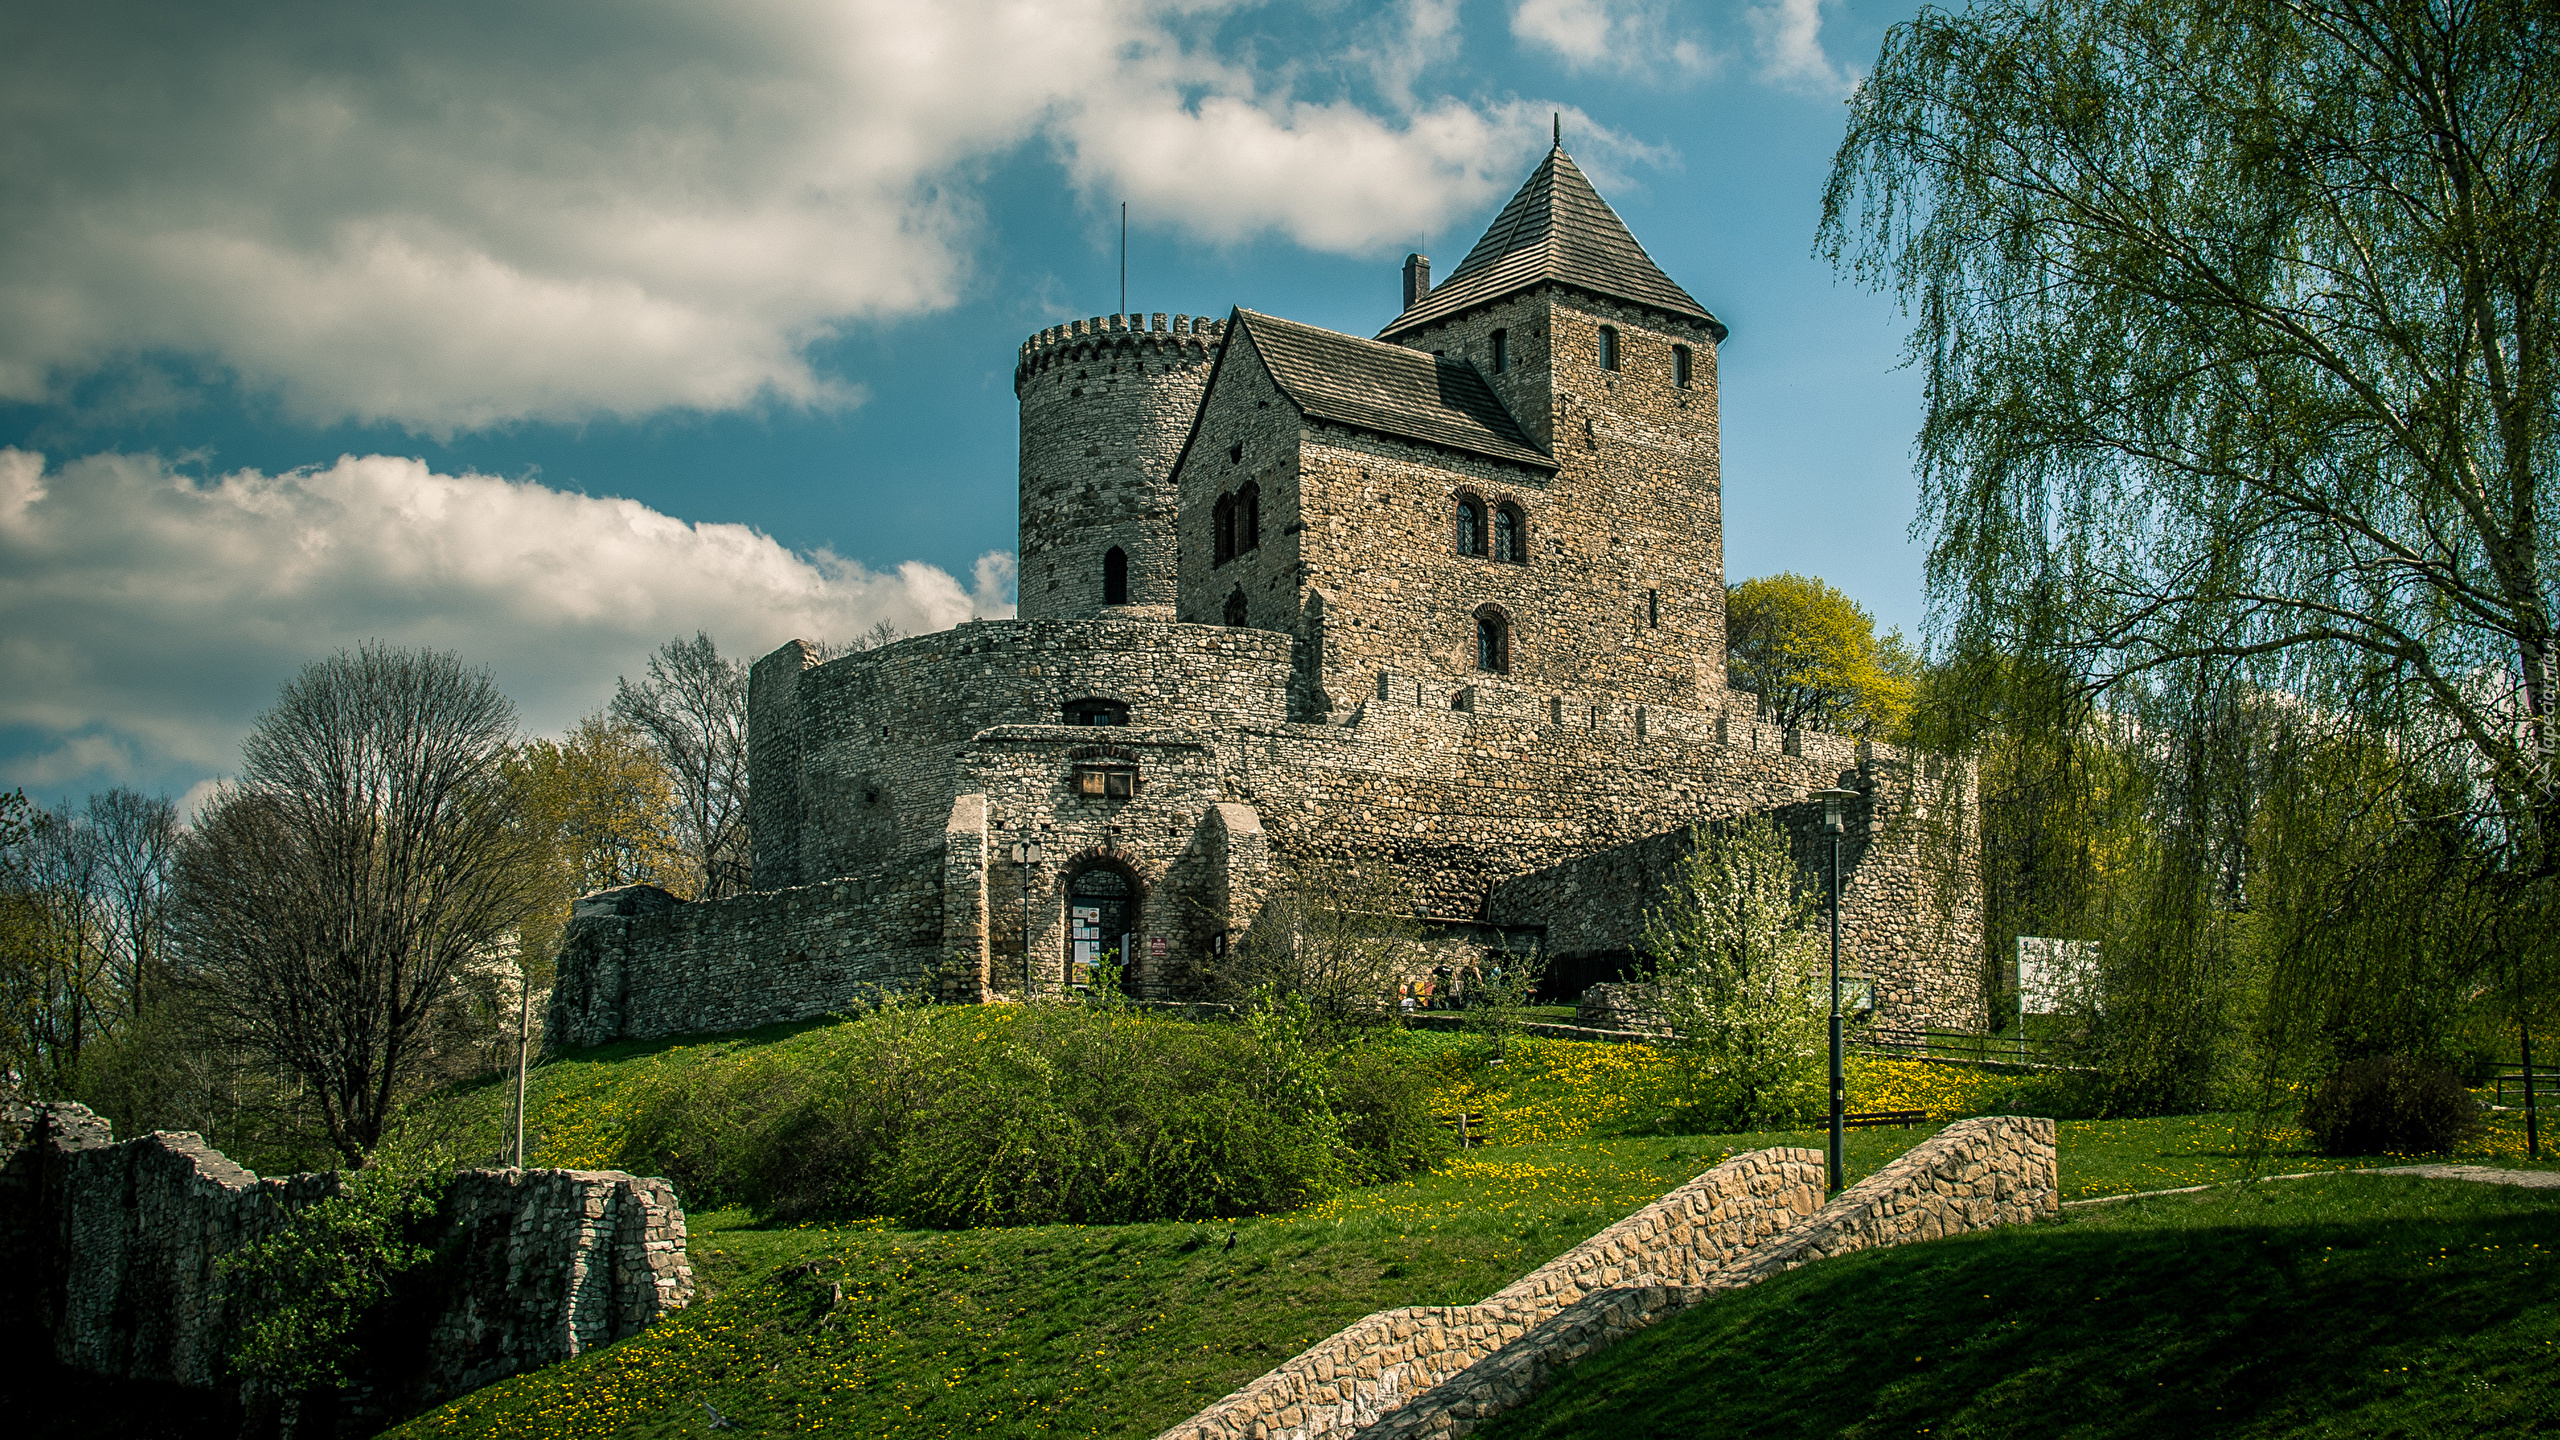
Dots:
{"x": 1106, "y": 405}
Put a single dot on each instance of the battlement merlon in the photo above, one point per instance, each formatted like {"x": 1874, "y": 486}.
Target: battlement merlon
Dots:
{"x": 1199, "y": 335}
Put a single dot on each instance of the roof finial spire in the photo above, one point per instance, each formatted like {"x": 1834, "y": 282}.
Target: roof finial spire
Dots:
{"x": 1559, "y": 129}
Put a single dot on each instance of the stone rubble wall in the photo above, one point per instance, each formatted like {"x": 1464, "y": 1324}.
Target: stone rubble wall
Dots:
{"x": 1974, "y": 1175}
{"x": 1382, "y": 1361}
{"x": 113, "y": 1251}
{"x": 1621, "y": 1006}
{"x": 638, "y": 965}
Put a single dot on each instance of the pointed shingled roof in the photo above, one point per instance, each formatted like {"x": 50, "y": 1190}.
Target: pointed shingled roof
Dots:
{"x": 1555, "y": 228}
{"x": 1387, "y": 388}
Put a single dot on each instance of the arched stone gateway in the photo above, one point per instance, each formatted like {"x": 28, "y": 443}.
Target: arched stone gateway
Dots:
{"x": 1102, "y": 923}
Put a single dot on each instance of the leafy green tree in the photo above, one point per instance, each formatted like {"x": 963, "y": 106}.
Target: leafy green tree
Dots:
{"x": 1738, "y": 959}
{"x": 1813, "y": 657}
{"x": 2236, "y": 318}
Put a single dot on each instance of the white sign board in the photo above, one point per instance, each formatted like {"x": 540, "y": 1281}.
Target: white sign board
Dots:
{"x": 2052, "y": 973}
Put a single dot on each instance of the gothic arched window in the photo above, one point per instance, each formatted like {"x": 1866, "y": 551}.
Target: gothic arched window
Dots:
{"x": 1236, "y": 607}
{"x": 1115, "y": 576}
{"x": 1470, "y": 526}
{"x": 1222, "y": 533}
{"x": 1493, "y": 641}
{"x": 1248, "y": 515}
{"x": 1510, "y": 534}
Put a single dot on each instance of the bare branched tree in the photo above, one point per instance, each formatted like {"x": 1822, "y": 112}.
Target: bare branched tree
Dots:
{"x": 57, "y": 995}
{"x": 137, "y": 843}
{"x": 366, "y": 852}
{"x": 693, "y": 708}
{"x": 1337, "y": 935}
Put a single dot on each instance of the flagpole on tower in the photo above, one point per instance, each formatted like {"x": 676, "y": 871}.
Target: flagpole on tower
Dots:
{"x": 1124, "y": 257}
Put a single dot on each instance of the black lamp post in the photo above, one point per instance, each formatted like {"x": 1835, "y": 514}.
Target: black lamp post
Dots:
{"x": 1026, "y": 853}
{"x": 1836, "y": 1156}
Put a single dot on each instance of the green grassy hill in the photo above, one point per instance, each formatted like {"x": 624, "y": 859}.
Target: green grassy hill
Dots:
{"x": 1121, "y": 1330}
{"x": 2345, "y": 1306}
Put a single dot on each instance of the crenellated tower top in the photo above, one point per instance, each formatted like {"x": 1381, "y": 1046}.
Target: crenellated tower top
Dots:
{"x": 1106, "y": 404}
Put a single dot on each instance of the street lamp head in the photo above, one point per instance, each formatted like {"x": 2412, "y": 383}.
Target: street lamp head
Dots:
{"x": 1026, "y": 852}
{"x": 1832, "y": 799}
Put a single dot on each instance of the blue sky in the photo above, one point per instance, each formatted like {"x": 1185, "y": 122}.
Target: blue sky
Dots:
{"x": 544, "y": 334}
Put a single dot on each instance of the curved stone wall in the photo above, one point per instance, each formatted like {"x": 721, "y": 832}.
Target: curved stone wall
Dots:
{"x": 1106, "y": 404}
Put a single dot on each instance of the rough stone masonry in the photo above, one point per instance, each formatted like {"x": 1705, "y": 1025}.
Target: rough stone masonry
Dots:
{"x": 1447, "y": 603}
{"x": 110, "y": 1251}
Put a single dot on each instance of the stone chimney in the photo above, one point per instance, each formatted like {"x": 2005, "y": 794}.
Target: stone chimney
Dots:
{"x": 1417, "y": 279}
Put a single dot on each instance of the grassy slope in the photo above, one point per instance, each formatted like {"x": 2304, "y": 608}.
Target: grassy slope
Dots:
{"x": 2355, "y": 1305}
{"x": 1123, "y": 1330}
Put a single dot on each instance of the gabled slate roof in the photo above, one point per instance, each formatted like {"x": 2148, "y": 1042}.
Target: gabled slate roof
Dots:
{"x": 1387, "y": 388}
{"x": 1555, "y": 228}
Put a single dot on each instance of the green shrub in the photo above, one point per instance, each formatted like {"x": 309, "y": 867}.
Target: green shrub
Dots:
{"x": 2390, "y": 1105}
{"x": 305, "y": 1295}
{"x": 1035, "y": 1115}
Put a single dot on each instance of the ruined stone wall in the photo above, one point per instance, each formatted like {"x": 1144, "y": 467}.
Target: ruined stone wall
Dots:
{"x": 633, "y": 966}
{"x": 1106, "y": 403}
{"x": 115, "y": 1251}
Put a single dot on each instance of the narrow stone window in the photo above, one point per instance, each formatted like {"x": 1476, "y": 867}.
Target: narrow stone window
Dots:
{"x": 1115, "y": 576}
{"x": 1653, "y": 609}
{"x": 1235, "y": 453}
{"x": 1493, "y": 641}
{"x": 1236, "y": 607}
{"x": 1470, "y": 526}
{"x": 1510, "y": 534}
{"x": 1248, "y": 519}
{"x": 1680, "y": 366}
{"x": 1222, "y": 530}
{"x": 1501, "y": 351}
{"x": 1608, "y": 347}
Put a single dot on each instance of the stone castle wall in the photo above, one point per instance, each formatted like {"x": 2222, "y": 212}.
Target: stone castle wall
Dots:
{"x": 637, "y": 963}
{"x": 1106, "y": 403}
{"x": 1490, "y": 803}
{"x": 114, "y": 1250}
{"x": 861, "y": 756}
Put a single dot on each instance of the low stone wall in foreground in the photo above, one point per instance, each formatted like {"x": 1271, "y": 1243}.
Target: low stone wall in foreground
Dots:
{"x": 1383, "y": 1361}
{"x": 1973, "y": 1175}
{"x": 1444, "y": 1370}
{"x": 111, "y": 1250}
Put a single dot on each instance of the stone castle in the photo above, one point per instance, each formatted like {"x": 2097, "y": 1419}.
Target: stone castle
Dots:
{"x": 1448, "y": 601}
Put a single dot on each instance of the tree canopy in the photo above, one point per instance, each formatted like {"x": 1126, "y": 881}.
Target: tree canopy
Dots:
{"x": 1812, "y": 656}
{"x": 2236, "y": 322}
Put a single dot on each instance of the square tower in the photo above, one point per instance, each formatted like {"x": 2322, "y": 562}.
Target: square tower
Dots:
{"x": 1514, "y": 488}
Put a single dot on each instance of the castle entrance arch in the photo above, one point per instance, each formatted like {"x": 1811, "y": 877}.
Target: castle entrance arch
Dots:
{"x": 1102, "y": 916}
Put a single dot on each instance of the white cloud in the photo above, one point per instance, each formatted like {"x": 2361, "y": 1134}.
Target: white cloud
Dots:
{"x": 1789, "y": 42}
{"x": 153, "y": 615}
{"x": 458, "y": 217}
{"x": 1622, "y": 37}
